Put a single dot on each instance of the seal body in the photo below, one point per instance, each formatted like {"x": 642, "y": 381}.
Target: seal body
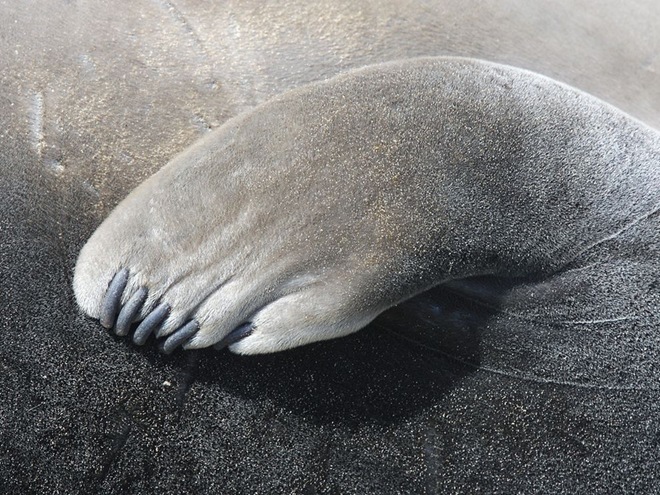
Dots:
{"x": 312, "y": 214}
{"x": 95, "y": 99}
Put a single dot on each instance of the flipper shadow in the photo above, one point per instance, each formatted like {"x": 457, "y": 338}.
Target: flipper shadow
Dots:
{"x": 405, "y": 361}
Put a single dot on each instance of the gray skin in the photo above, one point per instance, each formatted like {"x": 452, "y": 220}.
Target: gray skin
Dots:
{"x": 306, "y": 218}
{"x": 102, "y": 97}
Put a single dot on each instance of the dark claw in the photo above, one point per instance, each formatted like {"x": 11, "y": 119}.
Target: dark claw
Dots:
{"x": 128, "y": 312}
{"x": 180, "y": 337}
{"x": 235, "y": 335}
{"x": 112, "y": 298}
{"x": 148, "y": 325}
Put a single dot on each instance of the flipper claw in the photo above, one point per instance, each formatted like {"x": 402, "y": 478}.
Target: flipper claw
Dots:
{"x": 180, "y": 337}
{"x": 112, "y": 298}
{"x": 128, "y": 312}
{"x": 149, "y": 324}
{"x": 235, "y": 335}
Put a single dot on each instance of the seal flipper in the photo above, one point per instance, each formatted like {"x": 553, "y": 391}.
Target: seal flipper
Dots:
{"x": 318, "y": 210}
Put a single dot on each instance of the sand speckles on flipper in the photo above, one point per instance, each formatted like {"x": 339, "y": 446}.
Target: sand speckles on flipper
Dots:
{"x": 306, "y": 218}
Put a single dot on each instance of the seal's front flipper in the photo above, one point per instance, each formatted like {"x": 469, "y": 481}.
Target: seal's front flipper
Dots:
{"x": 315, "y": 212}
